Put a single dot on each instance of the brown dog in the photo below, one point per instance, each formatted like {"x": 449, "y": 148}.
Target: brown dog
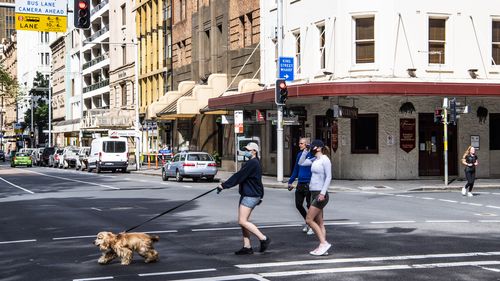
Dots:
{"x": 124, "y": 244}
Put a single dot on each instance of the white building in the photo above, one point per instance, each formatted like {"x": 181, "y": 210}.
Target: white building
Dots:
{"x": 383, "y": 57}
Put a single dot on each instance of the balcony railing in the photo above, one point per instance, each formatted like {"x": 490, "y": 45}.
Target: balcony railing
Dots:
{"x": 98, "y": 33}
{"x": 98, "y": 7}
{"x": 105, "y": 118}
{"x": 95, "y": 61}
{"x": 96, "y": 86}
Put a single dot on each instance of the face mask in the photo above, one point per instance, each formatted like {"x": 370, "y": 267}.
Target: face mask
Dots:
{"x": 247, "y": 154}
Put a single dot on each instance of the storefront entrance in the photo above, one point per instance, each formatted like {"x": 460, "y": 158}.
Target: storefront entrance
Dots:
{"x": 431, "y": 148}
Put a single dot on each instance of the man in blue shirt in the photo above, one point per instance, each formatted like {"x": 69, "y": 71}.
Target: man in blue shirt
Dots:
{"x": 303, "y": 176}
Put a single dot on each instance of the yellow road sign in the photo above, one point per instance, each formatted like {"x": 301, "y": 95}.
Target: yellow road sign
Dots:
{"x": 45, "y": 23}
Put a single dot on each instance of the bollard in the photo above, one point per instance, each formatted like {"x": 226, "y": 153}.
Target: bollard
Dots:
{"x": 149, "y": 161}
{"x": 156, "y": 161}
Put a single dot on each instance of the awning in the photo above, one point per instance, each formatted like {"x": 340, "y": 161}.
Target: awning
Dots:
{"x": 298, "y": 93}
{"x": 172, "y": 107}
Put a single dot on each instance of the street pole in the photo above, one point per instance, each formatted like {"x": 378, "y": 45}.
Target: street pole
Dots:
{"x": 50, "y": 109}
{"x": 445, "y": 140}
{"x": 279, "y": 129}
{"x": 32, "y": 140}
{"x": 138, "y": 137}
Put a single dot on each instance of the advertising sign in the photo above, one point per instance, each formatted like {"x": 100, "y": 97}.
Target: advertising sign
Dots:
{"x": 238, "y": 121}
{"x": 407, "y": 134}
{"x": 45, "y": 16}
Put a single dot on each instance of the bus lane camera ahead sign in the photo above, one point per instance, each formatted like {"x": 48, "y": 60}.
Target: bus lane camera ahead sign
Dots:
{"x": 41, "y": 15}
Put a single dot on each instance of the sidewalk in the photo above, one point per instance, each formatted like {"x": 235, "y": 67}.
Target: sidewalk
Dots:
{"x": 364, "y": 185}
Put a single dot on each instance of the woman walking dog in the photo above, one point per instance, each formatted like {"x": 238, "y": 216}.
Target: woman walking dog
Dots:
{"x": 251, "y": 190}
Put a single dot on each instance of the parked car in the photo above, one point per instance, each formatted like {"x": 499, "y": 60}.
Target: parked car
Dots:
{"x": 195, "y": 165}
{"x": 46, "y": 156}
{"x": 108, "y": 153}
{"x": 21, "y": 159}
{"x": 82, "y": 159}
{"x": 2, "y": 155}
{"x": 56, "y": 157}
{"x": 37, "y": 156}
{"x": 69, "y": 156}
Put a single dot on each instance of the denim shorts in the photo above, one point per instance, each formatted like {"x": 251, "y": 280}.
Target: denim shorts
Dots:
{"x": 249, "y": 202}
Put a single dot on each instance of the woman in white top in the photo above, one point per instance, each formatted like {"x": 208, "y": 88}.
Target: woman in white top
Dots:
{"x": 321, "y": 169}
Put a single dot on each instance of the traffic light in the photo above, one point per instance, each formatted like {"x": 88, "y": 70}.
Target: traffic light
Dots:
{"x": 453, "y": 111}
{"x": 82, "y": 13}
{"x": 18, "y": 138}
{"x": 438, "y": 115}
{"x": 32, "y": 135}
{"x": 281, "y": 94}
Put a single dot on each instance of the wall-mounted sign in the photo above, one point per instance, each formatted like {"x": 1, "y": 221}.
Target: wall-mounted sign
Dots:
{"x": 340, "y": 111}
{"x": 474, "y": 142}
{"x": 238, "y": 121}
{"x": 407, "y": 134}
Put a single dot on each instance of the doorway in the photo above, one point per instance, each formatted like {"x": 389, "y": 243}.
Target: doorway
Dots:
{"x": 431, "y": 147}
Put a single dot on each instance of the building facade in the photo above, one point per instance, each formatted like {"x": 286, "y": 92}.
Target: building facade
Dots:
{"x": 58, "y": 84}
{"x": 7, "y": 21}
{"x": 7, "y": 102}
{"x": 393, "y": 63}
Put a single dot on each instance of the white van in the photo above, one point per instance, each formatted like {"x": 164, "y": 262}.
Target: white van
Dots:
{"x": 108, "y": 153}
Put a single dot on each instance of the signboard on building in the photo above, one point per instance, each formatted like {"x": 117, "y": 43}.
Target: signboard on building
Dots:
{"x": 407, "y": 134}
{"x": 286, "y": 68}
{"x": 340, "y": 111}
{"x": 238, "y": 121}
{"x": 121, "y": 133}
{"x": 41, "y": 15}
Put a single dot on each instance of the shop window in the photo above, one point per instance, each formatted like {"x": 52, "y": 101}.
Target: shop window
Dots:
{"x": 364, "y": 134}
{"x": 495, "y": 131}
{"x": 495, "y": 56}
{"x": 437, "y": 40}
{"x": 365, "y": 40}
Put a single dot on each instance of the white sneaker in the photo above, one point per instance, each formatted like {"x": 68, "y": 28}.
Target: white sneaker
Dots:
{"x": 464, "y": 191}
{"x": 321, "y": 250}
{"x": 469, "y": 194}
{"x": 310, "y": 231}
{"x": 305, "y": 228}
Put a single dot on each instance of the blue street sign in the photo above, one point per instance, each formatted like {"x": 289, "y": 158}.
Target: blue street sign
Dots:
{"x": 286, "y": 68}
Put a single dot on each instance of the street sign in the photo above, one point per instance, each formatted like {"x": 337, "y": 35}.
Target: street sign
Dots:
{"x": 238, "y": 121}
{"x": 46, "y": 15}
{"x": 286, "y": 68}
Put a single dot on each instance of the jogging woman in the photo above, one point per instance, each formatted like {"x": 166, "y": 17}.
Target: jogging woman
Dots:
{"x": 469, "y": 159}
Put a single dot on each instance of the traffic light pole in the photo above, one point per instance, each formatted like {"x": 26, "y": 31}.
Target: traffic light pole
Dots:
{"x": 279, "y": 129}
{"x": 445, "y": 144}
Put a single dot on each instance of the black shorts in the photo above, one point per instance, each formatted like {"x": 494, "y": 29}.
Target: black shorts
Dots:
{"x": 316, "y": 203}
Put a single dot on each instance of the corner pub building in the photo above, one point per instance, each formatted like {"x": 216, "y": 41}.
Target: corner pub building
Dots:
{"x": 395, "y": 62}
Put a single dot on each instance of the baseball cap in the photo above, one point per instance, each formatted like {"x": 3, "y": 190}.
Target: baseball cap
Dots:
{"x": 252, "y": 146}
{"x": 317, "y": 143}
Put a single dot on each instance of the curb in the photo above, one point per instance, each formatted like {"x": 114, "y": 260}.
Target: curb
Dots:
{"x": 453, "y": 188}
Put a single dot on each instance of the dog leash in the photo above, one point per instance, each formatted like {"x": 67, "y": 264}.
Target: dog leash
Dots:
{"x": 170, "y": 210}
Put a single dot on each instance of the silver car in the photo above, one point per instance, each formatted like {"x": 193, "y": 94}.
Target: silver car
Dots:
{"x": 195, "y": 165}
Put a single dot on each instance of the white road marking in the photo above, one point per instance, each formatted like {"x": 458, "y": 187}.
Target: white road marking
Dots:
{"x": 488, "y": 221}
{"x": 164, "y": 183}
{"x": 16, "y": 186}
{"x": 187, "y": 186}
{"x": 367, "y": 259}
{"x": 446, "y": 221}
{"x": 378, "y": 268}
{"x": 97, "y": 209}
{"x": 163, "y": 231}
{"x": 228, "y": 278}
{"x": 73, "y": 237}
{"x": 476, "y": 204}
{"x": 391, "y": 222}
{"x": 73, "y": 180}
{"x": 94, "y": 278}
{"x": 449, "y": 201}
{"x": 495, "y": 193}
{"x": 402, "y": 195}
{"x": 18, "y": 241}
{"x": 177, "y": 272}
{"x": 490, "y": 269}
{"x": 428, "y": 198}
{"x": 215, "y": 229}
{"x": 494, "y": 207}
{"x": 341, "y": 223}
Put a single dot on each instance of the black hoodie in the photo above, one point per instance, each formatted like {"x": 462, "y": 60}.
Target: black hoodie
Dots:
{"x": 249, "y": 177}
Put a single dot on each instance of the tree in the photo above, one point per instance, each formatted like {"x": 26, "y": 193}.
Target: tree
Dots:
{"x": 39, "y": 95}
{"x": 9, "y": 88}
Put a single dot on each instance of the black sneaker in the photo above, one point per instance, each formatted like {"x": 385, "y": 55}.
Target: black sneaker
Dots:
{"x": 244, "y": 251}
{"x": 264, "y": 244}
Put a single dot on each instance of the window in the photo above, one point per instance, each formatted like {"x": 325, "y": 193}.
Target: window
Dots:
{"x": 242, "y": 31}
{"x": 124, "y": 14}
{"x": 41, "y": 58}
{"x": 47, "y": 58}
{"x": 124, "y": 55}
{"x": 364, "y": 134}
{"x": 494, "y": 131}
{"x": 495, "y": 38}
{"x": 249, "y": 33}
{"x": 124, "y": 94}
{"x": 297, "y": 51}
{"x": 365, "y": 40}
{"x": 114, "y": 146}
{"x": 437, "y": 40}
{"x": 183, "y": 9}
{"x": 46, "y": 37}
{"x": 322, "y": 60}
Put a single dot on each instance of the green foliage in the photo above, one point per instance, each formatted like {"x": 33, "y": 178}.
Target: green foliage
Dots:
{"x": 9, "y": 88}
{"x": 40, "y": 94}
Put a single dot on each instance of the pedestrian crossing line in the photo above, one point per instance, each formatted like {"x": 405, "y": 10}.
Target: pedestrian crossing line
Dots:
{"x": 447, "y": 221}
{"x": 449, "y": 201}
{"x": 489, "y": 221}
{"x": 378, "y": 268}
{"x": 391, "y": 222}
{"x": 18, "y": 241}
{"x": 95, "y": 278}
{"x": 406, "y": 196}
{"x": 365, "y": 259}
{"x": 494, "y": 207}
{"x": 490, "y": 269}
{"x": 228, "y": 278}
{"x": 475, "y": 204}
{"x": 427, "y": 198}
{"x": 176, "y": 272}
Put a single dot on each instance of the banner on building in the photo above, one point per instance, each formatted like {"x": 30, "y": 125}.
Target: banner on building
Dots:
{"x": 238, "y": 121}
{"x": 407, "y": 134}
